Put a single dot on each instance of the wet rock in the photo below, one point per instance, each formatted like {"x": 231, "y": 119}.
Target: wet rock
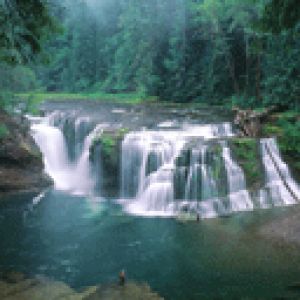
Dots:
{"x": 184, "y": 159}
{"x": 108, "y": 147}
{"x": 21, "y": 164}
{"x": 130, "y": 291}
{"x": 246, "y": 152}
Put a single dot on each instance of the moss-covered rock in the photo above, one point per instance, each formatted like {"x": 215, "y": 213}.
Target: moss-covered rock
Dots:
{"x": 246, "y": 152}
{"x": 108, "y": 147}
{"x": 110, "y": 151}
{"x": 272, "y": 130}
{"x": 184, "y": 159}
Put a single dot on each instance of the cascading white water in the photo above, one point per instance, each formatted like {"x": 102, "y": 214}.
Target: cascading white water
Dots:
{"x": 69, "y": 176}
{"x": 52, "y": 144}
{"x": 201, "y": 189}
{"x": 165, "y": 171}
{"x": 208, "y": 183}
{"x": 150, "y": 155}
{"x": 210, "y": 203}
{"x": 280, "y": 188}
{"x": 81, "y": 132}
{"x": 239, "y": 198}
{"x": 151, "y": 185}
{"x": 149, "y": 166}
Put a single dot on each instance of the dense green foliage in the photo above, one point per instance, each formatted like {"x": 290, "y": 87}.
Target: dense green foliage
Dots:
{"x": 226, "y": 52}
{"x": 179, "y": 50}
{"x": 280, "y": 14}
{"x": 24, "y": 27}
{"x": 281, "y": 82}
{"x": 24, "y": 24}
{"x": 247, "y": 155}
{"x": 286, "y": 126}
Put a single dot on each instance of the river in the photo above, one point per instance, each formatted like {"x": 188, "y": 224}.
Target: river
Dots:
{"x": 74, "y": 233}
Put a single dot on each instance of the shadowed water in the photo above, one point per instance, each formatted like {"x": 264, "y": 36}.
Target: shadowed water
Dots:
{"x": 85, "y": 241}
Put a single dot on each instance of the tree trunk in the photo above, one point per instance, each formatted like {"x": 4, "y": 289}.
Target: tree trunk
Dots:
{"x": 247, "y": 61}
{"x": 231, "y": 67}
{"x": 258, "y": 77}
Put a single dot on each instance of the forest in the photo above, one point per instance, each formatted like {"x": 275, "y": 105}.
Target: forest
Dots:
{"x": 231, "y": 52}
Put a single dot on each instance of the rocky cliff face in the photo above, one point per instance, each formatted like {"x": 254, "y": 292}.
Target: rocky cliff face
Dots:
{"x": 21, "y": 164}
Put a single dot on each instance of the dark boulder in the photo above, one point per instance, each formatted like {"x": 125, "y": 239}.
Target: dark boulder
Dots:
{"x": 21, "y": 163}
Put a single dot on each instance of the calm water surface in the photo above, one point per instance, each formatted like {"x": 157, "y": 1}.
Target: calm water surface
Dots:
{"x": 86, "y": 241}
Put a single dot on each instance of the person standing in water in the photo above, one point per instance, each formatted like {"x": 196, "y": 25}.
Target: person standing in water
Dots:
{"x": 122, "y": 277}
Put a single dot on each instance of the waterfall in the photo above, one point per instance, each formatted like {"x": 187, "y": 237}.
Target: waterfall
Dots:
{"x": 75, "y": 129}
{"x": 68, "y": 175}
{"x": 52, "y": 144}
{"x": 239, "y": 198}
{"x": 193, "y": 170}
{"x": 164, "y": 172}
{"x": 280, "y": 187}
{"x": 210, "y": 202}
{"x": 149, "y": 164}
{"x": 147, "y": 170}
{"x": 192, "y": 186}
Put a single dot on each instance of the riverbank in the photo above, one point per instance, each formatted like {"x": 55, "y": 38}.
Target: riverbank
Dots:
{"x": 31, "y": 102}
{"x": 15, "y": 285}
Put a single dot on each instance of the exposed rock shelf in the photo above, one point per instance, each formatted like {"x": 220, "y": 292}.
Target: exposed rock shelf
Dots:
{"x": 16, "y": 287}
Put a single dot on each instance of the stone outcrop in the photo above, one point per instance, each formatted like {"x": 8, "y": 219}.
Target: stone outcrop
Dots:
{"x": 108, "y": 146}
{"x": 21, "y": 164}
{"x": 16, "y": 286}
{"x": 130, "y": 291}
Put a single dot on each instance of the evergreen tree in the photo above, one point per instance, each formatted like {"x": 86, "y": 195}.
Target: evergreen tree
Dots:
{"x": 24, "y": 25}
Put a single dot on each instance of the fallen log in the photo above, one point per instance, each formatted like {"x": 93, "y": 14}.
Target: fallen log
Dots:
{"x": 249, "y": 121}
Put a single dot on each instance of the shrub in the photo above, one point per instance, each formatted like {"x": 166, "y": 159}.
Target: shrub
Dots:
{"x": 4, "y": 132}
